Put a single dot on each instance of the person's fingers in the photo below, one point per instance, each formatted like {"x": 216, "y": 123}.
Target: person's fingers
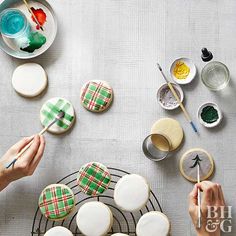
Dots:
{"x": 193, "y": 196}
{"x": 207, "y": 196}
{"x": 221, "y": 195}
{"x": 30, "y": 153}
{"x": 21, "y": 144}
{"x": 34, "y": 163}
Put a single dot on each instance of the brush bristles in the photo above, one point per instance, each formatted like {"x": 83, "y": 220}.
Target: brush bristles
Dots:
{"x": 159, "y": 67}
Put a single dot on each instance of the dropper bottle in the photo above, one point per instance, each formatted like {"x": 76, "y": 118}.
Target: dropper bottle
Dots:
{"x": 214, "y": 75}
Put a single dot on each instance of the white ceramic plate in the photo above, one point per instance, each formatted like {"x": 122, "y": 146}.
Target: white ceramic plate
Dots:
{"x": 50, "y": 27}
{"x": 210, "y": 125}
{"x": 192, "y": 73}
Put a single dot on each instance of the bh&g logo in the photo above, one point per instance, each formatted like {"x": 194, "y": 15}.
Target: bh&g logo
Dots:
{"x": 219, "y": 217}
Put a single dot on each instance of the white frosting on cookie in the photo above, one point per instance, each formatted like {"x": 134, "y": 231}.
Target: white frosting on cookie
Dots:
{"x": 58, "y": 231}
{"x": 94, "y": 219}
{"x": 119, "y": 234}
{"x": 29, "y": 79}
{"x": 131, "y": 192}
{"x": 153, "y": 224}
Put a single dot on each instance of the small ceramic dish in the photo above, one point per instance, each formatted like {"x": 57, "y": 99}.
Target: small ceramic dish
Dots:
{"x": 188, "y": 65}
{"x": 166, "y": 99}
{"x": 209, "y": 114}
{"x": 49, "y": 28}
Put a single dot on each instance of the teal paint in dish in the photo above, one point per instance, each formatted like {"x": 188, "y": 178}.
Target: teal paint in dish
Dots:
{"x": 13, "y": 23}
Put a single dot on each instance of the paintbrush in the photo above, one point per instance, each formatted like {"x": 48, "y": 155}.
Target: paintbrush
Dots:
{"x": 197, "y": 163}
{"x": 58, "y": 117}
{"x": 198, "y": 197}
{"x": 178, "y": 100}
{"x": 31, "y": 12}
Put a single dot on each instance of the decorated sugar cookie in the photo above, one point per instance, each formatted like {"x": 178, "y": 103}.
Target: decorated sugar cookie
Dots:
{"x": 29, "y": 79}
{"x": 96, "y": 95}
{"x": 131, "y": 192}
{"x": 206, "y": 164}
{"x": 94, "y": 219}
{"x": 51, "y": 109}
{"x": 171, "y": 129}
{"x": 56, "y": 202}
{"x": 119, "y": 234}
{"x": 93, "y": 178}
{"x": 153, "y": 223}
{"x": 58, "y": 231}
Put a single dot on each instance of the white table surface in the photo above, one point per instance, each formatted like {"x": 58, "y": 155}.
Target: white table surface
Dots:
{"x": 120, "y": 41}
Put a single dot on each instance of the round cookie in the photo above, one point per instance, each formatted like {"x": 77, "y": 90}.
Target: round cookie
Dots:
{"x": 119, "y": 234}
{"x": 93, "y": 178}
{"x": 96, "y": 95}
{"x": 206, "y": 164}
{"x": 153, "y": 223}
{"x": 94, "y": 219}
{"x": 58, "y": 230}
{"x": 29, "y": 79}
{"x": 51, "y": 109}
{"x": 131, "y": 192}
{"x": 56, "y": 202}
{"x": 171, "y": 129}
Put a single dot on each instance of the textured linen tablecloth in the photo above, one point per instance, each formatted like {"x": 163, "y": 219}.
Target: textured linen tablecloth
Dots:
{"x": 120, "y": 41}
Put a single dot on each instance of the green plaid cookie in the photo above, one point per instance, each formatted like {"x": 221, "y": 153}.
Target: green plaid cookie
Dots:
{"x": 96, "y": 95}
{"x": 56, "y": 201}
{"x": 93, "y": 178}
{"x": 51, "y": 109}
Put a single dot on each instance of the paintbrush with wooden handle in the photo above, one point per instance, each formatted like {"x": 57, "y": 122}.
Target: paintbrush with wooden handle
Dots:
{"x": 58, "y": 117}
{"x": 178, "y": 100}
{"x": 33, "y": 15}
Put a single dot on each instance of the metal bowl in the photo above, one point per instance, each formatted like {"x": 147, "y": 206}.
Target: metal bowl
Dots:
{"x": 50, "y": 27}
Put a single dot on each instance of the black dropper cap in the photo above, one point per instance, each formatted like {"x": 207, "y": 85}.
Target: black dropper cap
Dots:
{"x": 206, "y": 55}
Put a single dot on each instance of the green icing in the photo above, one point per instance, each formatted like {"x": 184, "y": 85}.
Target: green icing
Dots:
{"x": 36, "y": 41}
{"x": 209, "y": 114}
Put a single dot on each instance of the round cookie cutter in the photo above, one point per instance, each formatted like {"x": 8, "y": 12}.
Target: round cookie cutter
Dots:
{"x": 151, "y": 151}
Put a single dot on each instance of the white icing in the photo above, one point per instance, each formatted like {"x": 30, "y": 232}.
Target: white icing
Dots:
{"x": 29, "y": 79}
{"x": 55, "y": 128}
{"x": 153, "y": 224}
{"x": 119, "y": 234}
{"x": 58, "y": 231}
{"x": 131, "y": 192}
{"x": 94, "y": 219}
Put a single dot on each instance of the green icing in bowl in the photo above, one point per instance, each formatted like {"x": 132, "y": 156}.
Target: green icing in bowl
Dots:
{"x": 209, "y": 114}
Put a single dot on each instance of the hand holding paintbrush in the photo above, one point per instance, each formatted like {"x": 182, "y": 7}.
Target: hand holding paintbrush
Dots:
{"x": 58, "y": 117}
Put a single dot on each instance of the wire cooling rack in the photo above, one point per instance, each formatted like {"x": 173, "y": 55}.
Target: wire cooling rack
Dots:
{"x": 124, "y": 222}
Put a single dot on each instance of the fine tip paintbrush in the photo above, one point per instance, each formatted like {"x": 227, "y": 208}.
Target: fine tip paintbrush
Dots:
{"x": 178, "y": 100}
{"x": 60, "y": 115}
{"x": 33, "y": 15}
{"x": 197, "y": 163}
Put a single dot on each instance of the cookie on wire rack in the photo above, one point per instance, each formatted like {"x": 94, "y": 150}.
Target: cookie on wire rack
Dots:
{"x": 94, "y": 219}
{"x": 93, "y": 178}
{"x": 58, "y": 231}
{"x": 96, "y": 95}
{"x": 56, "y": 202}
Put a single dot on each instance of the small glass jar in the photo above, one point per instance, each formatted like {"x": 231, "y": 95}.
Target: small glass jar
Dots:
{"x": 215, "y": 75}
{"x": 15, "y": 26}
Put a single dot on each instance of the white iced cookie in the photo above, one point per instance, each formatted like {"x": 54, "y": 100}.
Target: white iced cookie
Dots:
{"x": 131, "y": 192}
{"x": 119, "y": 234}
{"x": 153, "y": 223}
{"x": 29, "y": 80}
{"x": 94, "y": 219}
{"x": 51, "y": 109}
{"x": 58, "y": 230}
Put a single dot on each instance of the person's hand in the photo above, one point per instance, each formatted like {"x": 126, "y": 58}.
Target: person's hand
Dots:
{"x": 26, "y": 164}
{"x": 212, "y": 195}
